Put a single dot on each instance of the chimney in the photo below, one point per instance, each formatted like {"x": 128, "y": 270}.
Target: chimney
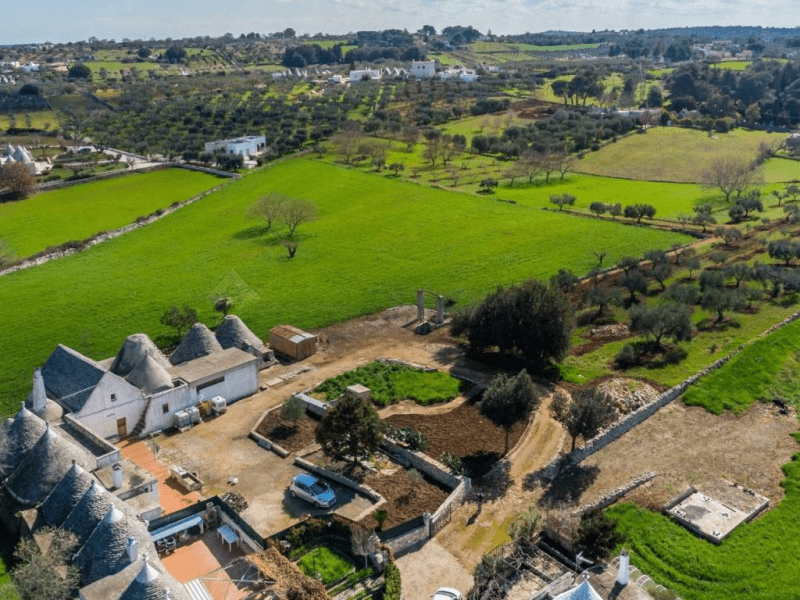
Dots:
{"x": 440, "y": 309}
{"x": 420, "y": 305}
{"x": 38, "y": 396}
{"x": 623, "y": 573}
{"x": 132, "y": 548}
{"x": 116, "y": 471}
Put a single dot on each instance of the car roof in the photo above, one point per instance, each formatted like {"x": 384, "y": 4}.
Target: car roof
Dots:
{"x": 305, "y": 478}
{"x": 447, "y": 592}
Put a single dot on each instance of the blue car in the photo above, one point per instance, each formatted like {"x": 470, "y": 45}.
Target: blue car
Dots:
{"x": 312, "y": 490}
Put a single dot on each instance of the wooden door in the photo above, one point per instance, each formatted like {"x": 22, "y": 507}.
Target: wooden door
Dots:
{"x": 122, "y": 427}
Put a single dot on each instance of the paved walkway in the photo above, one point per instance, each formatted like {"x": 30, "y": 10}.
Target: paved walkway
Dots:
{"x": 170, "y": 496}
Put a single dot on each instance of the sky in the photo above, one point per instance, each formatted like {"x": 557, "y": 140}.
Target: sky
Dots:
{"x": 49, "y": 20}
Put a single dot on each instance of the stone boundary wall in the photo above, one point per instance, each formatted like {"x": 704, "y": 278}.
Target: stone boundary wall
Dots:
{"x": 402, "y": 363}
{"x": 633, "y": 419}
{"x": 618, "y": 493}
{"x": 110, "y": 235}
{"x": 364, "y": 490}
{"x": 317, "y": 407}
{"x": 422, "y": 463}
{"x": 410, "y": 539}
{"x": 456, "y": 497}
{"x": 264, "y": 442}
{"x": 675, "y": 500}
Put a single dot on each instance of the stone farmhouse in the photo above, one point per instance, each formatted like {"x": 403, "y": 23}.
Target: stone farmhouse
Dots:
{"x": 250, "y": 145}
{"x": 21, "y": 155}
{"x": 138, "y": 391}
{"x": 49, "y": 480}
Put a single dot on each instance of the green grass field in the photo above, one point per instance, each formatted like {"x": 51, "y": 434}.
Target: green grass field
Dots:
{"x": 40, "y": 119}
{"x": 78, "y": 212}
{"x": 377, "y": 240}
{"x": 114, "y": 67}
{"x": 325, "y": 565}
{"x": 758, "y": 561}
{"x": 763, "y": 371}
{"x": 393, "y": 383}
{"x": 679, "y": 155}
{"x": 733, "y": 65}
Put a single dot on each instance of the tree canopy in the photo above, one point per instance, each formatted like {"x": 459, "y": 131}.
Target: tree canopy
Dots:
{"x": 509, "y": 400}
{"x": 533, "y": 320}
{"x": 350, "y": 431}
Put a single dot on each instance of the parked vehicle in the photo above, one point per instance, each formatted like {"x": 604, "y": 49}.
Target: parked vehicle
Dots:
{"x": 447, "y": 593}
{"x": 312, "y": 490}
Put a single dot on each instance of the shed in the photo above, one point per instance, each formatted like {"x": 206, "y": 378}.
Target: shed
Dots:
{"x": 292, "y": 342}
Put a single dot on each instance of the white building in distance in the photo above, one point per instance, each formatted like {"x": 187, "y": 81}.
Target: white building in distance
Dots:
{"x": 365, "y": 74}
{"x": 423, "y": 69}
{"x": 250, "y": 145}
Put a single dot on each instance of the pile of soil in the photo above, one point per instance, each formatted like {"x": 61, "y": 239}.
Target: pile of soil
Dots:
{"x": 465, "y": 432}
{"x": 289, "y": 579}
{"x": 291, "y": 437}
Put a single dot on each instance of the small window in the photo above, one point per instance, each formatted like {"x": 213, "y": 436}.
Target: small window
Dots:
{"x": 113, "y": 397}
{"x": 164, "y": 408}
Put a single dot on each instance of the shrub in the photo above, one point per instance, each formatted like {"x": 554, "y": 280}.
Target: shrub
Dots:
{"x": 453, "y": 462}
{"x": 627, "y": 357}
{"x": 393, "y": 582}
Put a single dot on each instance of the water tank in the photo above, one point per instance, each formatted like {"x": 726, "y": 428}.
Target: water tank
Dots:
{"x": 182, "y": 420}
{"x": 194, "y": 414}
{"x": 218, "y": 404}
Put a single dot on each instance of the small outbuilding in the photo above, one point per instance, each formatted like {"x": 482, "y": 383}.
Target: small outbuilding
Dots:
{"x": 292, "y": 342}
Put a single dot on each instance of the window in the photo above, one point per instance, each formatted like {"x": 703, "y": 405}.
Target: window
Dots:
{"x": 164, "y": 408}
{"x": 113, "y": 397}
{"x": 202, "y": 386}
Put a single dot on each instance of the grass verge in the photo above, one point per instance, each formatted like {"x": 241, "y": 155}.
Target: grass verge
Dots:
{"x": 325, "y": 565}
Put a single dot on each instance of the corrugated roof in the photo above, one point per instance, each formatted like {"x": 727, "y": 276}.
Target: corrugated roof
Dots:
{"x": 67, "y": 493}
{"x": 133, "y": 350}
{"x": 149, "y": 376}
{"x": 198, "y": 341}
{"x": 233, "y": 333}
{"x": 41, "y": 469}
{"x": 87, "y": 513}
{"x": 70, "y": 377}
{"x": 22, "y": 434}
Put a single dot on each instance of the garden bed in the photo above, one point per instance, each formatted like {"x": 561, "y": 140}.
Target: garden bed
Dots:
{"x": 464, "y": 432}
{"x": 391, "y": 382}
{"x": 291, "y": 437}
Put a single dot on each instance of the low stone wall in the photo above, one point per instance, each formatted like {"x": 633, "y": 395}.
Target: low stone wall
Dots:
{"x": 456, "y": 497}
{"x": 264, "y": 442}
{"x": 619, "y": 492}
{"x": 99, "y": 239}
{"x": 402, "y": 363}
{"x": 422, "y": 463}
{"x": 679, "y": 498}
{"x": 110, "y": 453}
{"x": 314, "y": 406}
{"x": 364, "y": 490}
{"x": 410, "y": 539}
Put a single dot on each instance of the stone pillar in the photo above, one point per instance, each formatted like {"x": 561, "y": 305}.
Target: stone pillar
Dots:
{"x": 623, "y": 573}
{"x": 420, "y": 305}
{"x": 38, "y": 396}
{"x": 440, "y": 309}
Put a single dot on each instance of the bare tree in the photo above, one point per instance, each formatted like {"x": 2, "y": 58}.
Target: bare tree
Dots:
{"x": 730, "y": 175}
{"x": 267, "y": 208}
{"x": 296, "y": 212}
{"x": 347, "y": 143}
{"x": 16, "y": 178}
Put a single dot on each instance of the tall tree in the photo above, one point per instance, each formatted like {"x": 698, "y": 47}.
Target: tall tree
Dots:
{"x": 295, "y": 212}
{"x": 532, "y": 319}
{"x": 17, "y": 180}
{"x": 267, "y": 208}
{"x": 665, "y": 320}
{"x": 181, "y": 320}
{"x": 350, "y": 431}
{"x": 585, "y": 416}
{"x": 507, "y": 401}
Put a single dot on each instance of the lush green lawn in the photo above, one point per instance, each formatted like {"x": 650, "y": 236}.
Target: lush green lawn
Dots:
{"x": 762, "y": 371}
{"x": 78, "y": 212}
{"x": 325, "y": 565}
{"x": 39, "y": 119}
{"x": 669, "y": 199}
{"x": 680, "y": 155}
{"x": 393, "y": 383}
{"x": 758, "y": 561}
{"x": 377, "y": 240}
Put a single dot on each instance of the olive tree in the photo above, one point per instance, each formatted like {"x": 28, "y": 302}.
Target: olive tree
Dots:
{"x": 509, "y": 400}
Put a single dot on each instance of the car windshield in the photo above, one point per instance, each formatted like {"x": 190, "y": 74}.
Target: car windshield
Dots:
{"x": 319, "y": 488}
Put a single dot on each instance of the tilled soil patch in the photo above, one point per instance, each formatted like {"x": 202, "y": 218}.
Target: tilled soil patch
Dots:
{"x": 406, "y": 498}
{"x": 465, "y": 432}
{"x": 289, "y": 436}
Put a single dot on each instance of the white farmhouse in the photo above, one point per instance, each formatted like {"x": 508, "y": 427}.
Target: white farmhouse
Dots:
{"x": 250, "y": 145}
{"x": 364, "y": 74}
{"x": 139, "y": 390}
{"x": 423, "y": 69}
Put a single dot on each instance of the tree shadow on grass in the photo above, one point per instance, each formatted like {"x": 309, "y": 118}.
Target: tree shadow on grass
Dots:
{"x": 567, "y": 488}
{"x": 250, "y": 233}
{"x": 711, "y": 324}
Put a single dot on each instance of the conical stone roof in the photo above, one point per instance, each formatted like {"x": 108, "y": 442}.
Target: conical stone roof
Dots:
{"x": 233, "y": 333}
{"x": 87, "y": 513}
{"x": 104, "y": 553}
{"x": 133, "y": 350}
{"x": 40, "y": 470}
{"x": 149, "y": 376}
{"x": 147, "y": 585}
{"x": 199, "y": 341}
{"x": 22, "y": 434}
{"x": 67, "y": 493}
